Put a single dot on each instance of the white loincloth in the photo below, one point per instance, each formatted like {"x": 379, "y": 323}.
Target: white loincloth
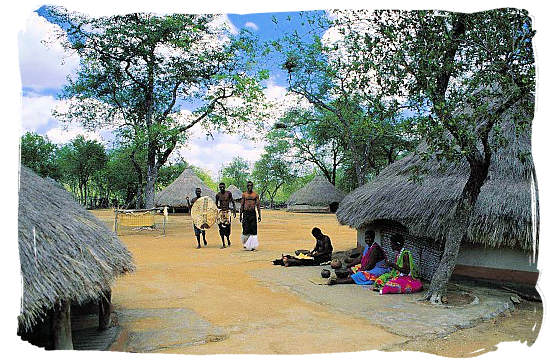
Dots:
{"x": 250, "y": 241}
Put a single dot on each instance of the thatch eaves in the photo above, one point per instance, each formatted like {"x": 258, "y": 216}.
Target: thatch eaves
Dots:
{"x": 505, "y": 211}
{"x": 174, "y": 195}
{"x": 66, "y": 253}
{"x": 318, "y": 192}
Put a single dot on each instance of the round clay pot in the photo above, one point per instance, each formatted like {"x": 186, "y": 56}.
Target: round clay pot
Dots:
{"x": 325, "y": 273}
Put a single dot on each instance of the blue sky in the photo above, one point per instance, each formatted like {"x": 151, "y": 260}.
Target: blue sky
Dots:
{"x": 44, "y": 70}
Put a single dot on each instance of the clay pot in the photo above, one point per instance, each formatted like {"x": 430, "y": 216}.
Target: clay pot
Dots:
{"x": 325, "y": 273}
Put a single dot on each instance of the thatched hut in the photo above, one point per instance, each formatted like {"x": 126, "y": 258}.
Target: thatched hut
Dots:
{"x": 502, "y": 240}
{"x": 174, "y": 195}
{"x": 236, "y": 192}
{"x": 67, "y": 256}
{"x": 318, "y": 196}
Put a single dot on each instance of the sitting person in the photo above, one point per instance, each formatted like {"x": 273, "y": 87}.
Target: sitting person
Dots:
{"x": 402, "y": 278}
{"x": 366, "y": 269}
{"x": 321, "y": 253}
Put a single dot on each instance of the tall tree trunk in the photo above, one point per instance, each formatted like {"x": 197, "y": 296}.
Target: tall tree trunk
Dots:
{"x": 139, "y": 173}
{"x": 152, "y": 173}
{"x": 358, "y": 161}
{"x": 458, "y": 232}
{"x": 80, "y": 187}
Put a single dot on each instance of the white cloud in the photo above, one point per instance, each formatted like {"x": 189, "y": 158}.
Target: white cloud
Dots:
{"x": 62, "y": 134}
{"x": 43, "y": 66}
{"x": 36, "y": 116}
{"x": 223, "y": 20}
{"x": 36, "y": 112}
{"x": 211, "y": 154}
{"x": 251, "y": 25}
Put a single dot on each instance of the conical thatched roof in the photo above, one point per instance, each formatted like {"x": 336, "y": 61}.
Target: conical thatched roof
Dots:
{"x": 504, "y": 210}
{"x": 66, "y": 253}
{"x": 236, "y": 192}
{"x": 184, "y": 186}
{"x": 319, "y": 193}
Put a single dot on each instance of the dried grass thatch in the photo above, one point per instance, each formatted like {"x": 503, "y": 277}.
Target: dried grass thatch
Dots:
{"x": 504, "y": 210}
{"x": 317, "y": 195}
{"x": 66, "y": 253}
{"x": 235, "y": 192}
{"x": 184, "y": 186}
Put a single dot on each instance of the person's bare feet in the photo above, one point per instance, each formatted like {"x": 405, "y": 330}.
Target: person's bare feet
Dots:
{"x": 331, "y": 281}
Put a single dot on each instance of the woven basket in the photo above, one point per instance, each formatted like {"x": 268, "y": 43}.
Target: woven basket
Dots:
{"x": 204, "y": 213}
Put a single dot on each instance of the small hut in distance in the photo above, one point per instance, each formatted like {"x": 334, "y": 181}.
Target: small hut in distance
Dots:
{"x": 67, "y": 257}
{"x": 174, "y": 195}
{"x": 318, "y": 196}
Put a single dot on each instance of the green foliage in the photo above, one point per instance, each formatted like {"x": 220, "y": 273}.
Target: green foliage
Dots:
{"x": 138, "y": 69}
{"x": 39, "y": 154}
{"x": 350, "y": 121}
{"x": 205, "y": 177}
{"x": 237, "y": 172}
{"x": 169, "y": 172}
{"x": 79, "y": 161}
{"x": 272, "y": 171}
{"x": 291, "y": 186}
{"x": 466, "y": 78}
{"x": 460, "y": 72}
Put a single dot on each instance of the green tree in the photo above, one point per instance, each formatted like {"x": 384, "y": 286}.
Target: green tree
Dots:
{"x": 363, "y": 120}
{"x": 272, "y": 171}
{"x": 205, "y": 177}
{"x": 80, "y": 160}
{"x": 123, "y": 175}
{"x": 460, "y": 73}
{"x": 39, "y": 154}
{"x": 138, "y": 70}
{"x": 237, "y": 172}
{"x": 169, "y": 172}
{"x": 313, "y": 142}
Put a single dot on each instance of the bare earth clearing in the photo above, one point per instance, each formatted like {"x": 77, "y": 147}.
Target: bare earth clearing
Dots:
{"x": 185, "y": 300}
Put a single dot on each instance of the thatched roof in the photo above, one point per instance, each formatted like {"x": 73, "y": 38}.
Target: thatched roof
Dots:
{"x": 66, "y": 253}
{"x": 503, "y": 213}
{"x": 184, "y": 186}
{"x": 236, "y": 192}
{"x": 318, "y": 192}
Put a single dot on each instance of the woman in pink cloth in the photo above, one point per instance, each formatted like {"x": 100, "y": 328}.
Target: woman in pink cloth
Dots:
{"x": 402, "y": 278}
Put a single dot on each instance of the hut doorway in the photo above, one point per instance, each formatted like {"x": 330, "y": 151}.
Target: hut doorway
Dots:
{"x": 333, "y": 207}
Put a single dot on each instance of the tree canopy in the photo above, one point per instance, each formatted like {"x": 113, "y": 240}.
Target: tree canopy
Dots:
{"x": 137, "y": 71}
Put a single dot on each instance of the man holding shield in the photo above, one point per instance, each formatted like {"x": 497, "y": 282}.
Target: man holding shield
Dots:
{"x": 197, "y": 230}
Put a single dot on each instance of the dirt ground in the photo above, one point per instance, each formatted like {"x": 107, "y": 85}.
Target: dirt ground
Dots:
{"x": 204, "y": 301}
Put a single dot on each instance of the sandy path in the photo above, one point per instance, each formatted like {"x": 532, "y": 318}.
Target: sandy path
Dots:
{"x": 233, "y": 312}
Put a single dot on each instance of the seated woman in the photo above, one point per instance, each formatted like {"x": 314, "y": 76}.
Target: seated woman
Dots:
{"x": 321, "y": 253}
{"x": 402, "y": 278}
{"x": 365, "y": 270}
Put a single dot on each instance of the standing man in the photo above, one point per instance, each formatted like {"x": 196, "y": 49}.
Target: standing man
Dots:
{"x": 197, "y": 230}
{"x": 224, "y": 218}
{"x": 249, "y": 204}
